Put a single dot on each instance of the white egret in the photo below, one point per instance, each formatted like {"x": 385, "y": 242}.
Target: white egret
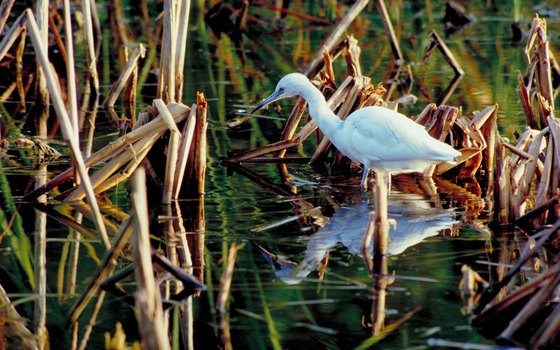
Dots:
{"x": 383, "y": 140}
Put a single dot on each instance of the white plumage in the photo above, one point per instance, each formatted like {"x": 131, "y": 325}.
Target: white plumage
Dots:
{"x": 381, "y": 139}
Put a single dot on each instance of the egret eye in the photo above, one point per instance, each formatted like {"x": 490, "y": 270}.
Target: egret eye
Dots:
{"x": 281, "y": 90}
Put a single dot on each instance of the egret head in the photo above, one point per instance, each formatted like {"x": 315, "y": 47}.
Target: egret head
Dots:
{"x": 290, "y": 85}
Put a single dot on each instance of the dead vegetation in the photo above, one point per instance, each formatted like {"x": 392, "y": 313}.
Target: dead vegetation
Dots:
{"x": 82, "y": 185}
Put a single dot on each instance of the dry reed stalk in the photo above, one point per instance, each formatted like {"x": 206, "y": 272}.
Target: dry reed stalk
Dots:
{"x": 53, "y": 26}
{"x": 544, "y": 188}
{"x": 40, "y": 265}
{"x": 131, "y": 65}
{"x": 120, "y": 176}
{"x": 352, "y": 57}
{"x": 336, "y": 34}
{"x": 71, "y": 70}
{"x": 526, "y": 103}
{"x": 11, "y": 35}
{"x": 542, "y": 297}
{"x": 19, "y": 69}
{"x": 130, "y": 94}
{"x": 291, "y": 125}
{"x": 502, "y": 212}
{"x": 172, "y": 151}
{"x": 166, "y": 83}
{"x": 104, "y": 270}
{"x": 92, "y": 321}
{"x": 5, "y": 9}
{"x": 528, "y": 252}
{"x": 134, "y": 154}
{"x": 66, "y": 126}
{"x": 87, "y": 6}
{"x": 184, "y": 151}
{"x": 447, "y": 54}
{"x": 335, "y": 50}
{"x": 182, "y": 26}
{"x": 6, "y": 94}
{"x": 198, "y": 178}
{"x": 548, "y": 331}
{"x": 487, "y": 122}
{"x": 389, "y": 30}
{"x": 157, "y": 125}
{"x": 223, "y": 295}
{"x": 42, "y": 40}
{"x": 147, "y": 297}
{"x": 540, "y": 68}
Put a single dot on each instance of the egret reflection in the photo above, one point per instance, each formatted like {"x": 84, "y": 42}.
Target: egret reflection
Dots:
{"x": 416, "y": 219}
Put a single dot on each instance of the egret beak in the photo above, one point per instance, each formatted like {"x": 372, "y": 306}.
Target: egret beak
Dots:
{"x": 275, "y": 96}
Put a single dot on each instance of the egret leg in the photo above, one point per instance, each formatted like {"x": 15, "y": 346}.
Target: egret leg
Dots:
{"x": 365, "y": 178}
{"x": 381, "y": 241}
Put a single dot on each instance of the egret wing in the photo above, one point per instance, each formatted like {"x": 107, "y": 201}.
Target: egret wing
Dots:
{"x": 384, "y": 135}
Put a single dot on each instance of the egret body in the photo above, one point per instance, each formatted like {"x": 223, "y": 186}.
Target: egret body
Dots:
{"x": 383, "y": 140}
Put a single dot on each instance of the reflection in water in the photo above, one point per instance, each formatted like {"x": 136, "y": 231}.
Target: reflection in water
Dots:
{"x": 415, "y": 220}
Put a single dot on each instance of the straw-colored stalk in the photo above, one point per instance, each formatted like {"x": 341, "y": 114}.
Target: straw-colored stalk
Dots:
{"x": 70, "y": 69}
{"x": 104, "y": 270}
{"x": 337, "y": 33}
{"x": 166, "y": 84}
{"x": 543, "y": 297}
{"x": 19, "y": 70}
{"x": 172, "y": 150}
{"x": 156, "y": 126}
{"x": 40, "y": 265}
{"x": 130, "y": 93}
{"x": 147, "y": 296}
{"x": 11, "y": 35}
{"x": 66, "y": 125}
{"x": 184, "y": 151}
{"x": 223, "y": 296}
{"x": 117, "y": 87}
{"x": 42, "y": 40}
{"x": 528, "y": 252}
{"x": 182, "y": 26}
{"x": 5, "y": 9}
{"x": 201, "y": 141}
{"x": 135, "y": 153}
{"x": 447, "y": 54}
{"x": 393, "y": 41}
{"x": 87, "y": 6}
{"x": 92, "y": 320}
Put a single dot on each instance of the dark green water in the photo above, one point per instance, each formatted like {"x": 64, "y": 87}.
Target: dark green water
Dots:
{"x": 433, "y": 237}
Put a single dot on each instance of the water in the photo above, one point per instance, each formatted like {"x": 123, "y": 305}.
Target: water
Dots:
{"x": 290, "y": 305}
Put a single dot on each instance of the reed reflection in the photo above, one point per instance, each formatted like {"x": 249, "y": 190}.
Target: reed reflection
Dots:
{"x": 415, "y": 220}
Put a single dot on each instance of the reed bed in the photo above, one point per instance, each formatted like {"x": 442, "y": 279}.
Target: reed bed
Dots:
{"x": 92, "y": 175}
{"x": 522, "y": 177}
